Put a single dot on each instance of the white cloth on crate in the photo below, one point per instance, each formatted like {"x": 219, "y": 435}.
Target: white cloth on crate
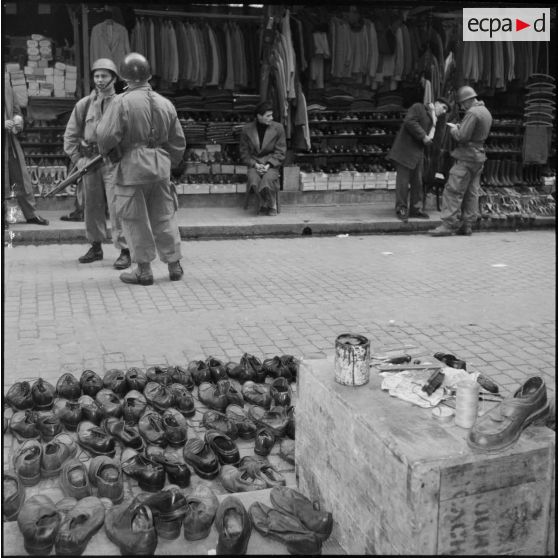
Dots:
{"x": 407, "y": 385}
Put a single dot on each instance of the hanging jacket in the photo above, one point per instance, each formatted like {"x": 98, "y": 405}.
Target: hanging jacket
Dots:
{"x": 109, "y": 40}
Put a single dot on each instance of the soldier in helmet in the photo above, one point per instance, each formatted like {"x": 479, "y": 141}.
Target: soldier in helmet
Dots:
{"x": 460, "y": 200}
{"x": 144, "y": 127}
{"x": 80, "y": 144}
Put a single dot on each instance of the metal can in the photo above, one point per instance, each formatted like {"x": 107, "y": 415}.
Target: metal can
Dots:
{"x": 352, "y": 359}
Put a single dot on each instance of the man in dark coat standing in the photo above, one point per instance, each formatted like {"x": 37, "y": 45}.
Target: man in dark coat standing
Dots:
{"x": 263, "y": 146}
{"x": 407, "y": 152}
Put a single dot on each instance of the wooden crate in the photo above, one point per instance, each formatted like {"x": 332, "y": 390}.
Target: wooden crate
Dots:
{"x": 398, "y": 482}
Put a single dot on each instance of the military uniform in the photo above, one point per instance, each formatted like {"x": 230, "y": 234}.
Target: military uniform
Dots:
{"x": 143, "y": 126}
{"x": 82, "y": 128}
{"x": 460, "y": 200}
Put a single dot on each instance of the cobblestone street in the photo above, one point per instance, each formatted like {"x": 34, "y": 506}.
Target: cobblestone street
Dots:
{"x": 489, "y": 299}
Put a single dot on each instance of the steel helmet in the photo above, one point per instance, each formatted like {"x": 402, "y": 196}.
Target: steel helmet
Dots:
{"x": 465, "y": 93}
{"x": 104, "y": 64}
{"x": 135, "y": 67}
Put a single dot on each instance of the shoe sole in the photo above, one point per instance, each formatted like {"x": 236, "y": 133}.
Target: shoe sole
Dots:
{"x": 535, "y": 418}
{"x": 80, "y": 260}
{"x": 176, "y": 277}
{"x": 120, "y": 267}
{"x": 144, "y": 282}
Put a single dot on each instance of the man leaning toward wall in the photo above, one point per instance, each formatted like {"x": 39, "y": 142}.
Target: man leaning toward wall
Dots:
{"x": 141, "y": 131}
{"x": 460, "y": 200}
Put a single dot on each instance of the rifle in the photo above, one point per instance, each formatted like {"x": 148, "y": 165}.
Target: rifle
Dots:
{"x": 74, "y": 177}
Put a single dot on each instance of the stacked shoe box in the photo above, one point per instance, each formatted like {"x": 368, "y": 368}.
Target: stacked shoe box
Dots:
{"x": 307, "y": 181}
{"x": 16, "y": 77}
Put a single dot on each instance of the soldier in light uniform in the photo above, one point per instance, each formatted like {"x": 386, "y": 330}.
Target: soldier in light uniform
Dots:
{"x": 80, "y": 144}
{"x": 460, "y": 200}
{"x": 143, "y": 127}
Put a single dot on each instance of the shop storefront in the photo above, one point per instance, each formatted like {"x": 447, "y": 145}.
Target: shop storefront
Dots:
{"x": 340, "y": 79}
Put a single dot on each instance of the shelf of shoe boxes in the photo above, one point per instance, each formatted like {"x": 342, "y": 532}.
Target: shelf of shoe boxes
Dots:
{"x": 212, "y": 167}
{"x": 44, "y": 74}
{"x": 371, "y": 133}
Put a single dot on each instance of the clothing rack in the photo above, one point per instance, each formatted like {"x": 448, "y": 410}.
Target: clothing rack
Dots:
{"x": 170, "y": 13}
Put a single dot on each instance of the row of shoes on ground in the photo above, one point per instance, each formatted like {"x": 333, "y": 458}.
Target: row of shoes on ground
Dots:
{"x": 102, "y": 421}
{"x": 135, "y": 526}
{"x": 506, "y": 204}
{"x": 41, "y": 394}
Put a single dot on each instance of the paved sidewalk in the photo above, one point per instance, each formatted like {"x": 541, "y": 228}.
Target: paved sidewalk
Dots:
{"x": 293, "y": 220}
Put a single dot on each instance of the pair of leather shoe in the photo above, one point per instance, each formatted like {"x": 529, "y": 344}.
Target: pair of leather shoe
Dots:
{"x": 158, "y": 395}
{"x": 149, "y": 474}
{"x": 502, "y": 426}
{"x": 13, "y": 496}
{"x": 67, "y": 387}
{"x": 234, "y": 527}
{"x": 43, "y": 394}
{"x": 90, "y": 383}
{"x": 19, "y": 396}
{"x": 177, "y": 471}
{"x": 201, "y": 458}
{"x": 158, "y": 374}
{"x": 23, "y": 425}
{"x": 90, "y": 410}
{"x": 134, "y": 405}
{"x": 68, "y": 412}
{"x": 219, "y": 396}
{"x": 257, "y": 394}
{"x": 217, "y": 369}
{"x": 244, "y": 424}
{"x": 261, "y": 468}
{"x": 136, "y": 379}
{"x": 284, "y": 366}
{"x": 127, "y": 435}
{"x": 201, "y": 507}
{"x": 170, "y": 428}
{"x": 280, "y": 391}
{"x": 74, "y": 480}
{"x": 109, "y": 403}
{"x": 223, "y": 447}
{"x": 168, "y": 508}
{"x": 183, "y": 400}
{"x": 105, "y": 473}
{"x": 39, "y": 521}
{"x": 179, "y": 375}
{"x": 95, "y": 440}
{"x": 131, "y": 527}
{"x": 249, "y": 369}
{"x": 275, "y": 419}
{"x": 199, "y": 371}
{"x": 79, "y": 525}
{"x": 236, "y": 479}
{"x": 264, "y": 441}
{"x": 214, "y": 420}
{"x": 115, "y": 380}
